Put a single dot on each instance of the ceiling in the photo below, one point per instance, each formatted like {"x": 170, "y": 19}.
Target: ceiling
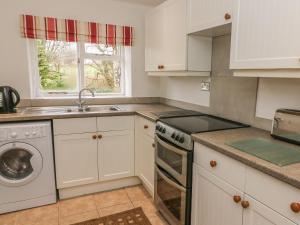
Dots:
{"x": 144, "y": 2}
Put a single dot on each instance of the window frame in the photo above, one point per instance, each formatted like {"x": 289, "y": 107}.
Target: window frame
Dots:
{"x": 125, "y": 64}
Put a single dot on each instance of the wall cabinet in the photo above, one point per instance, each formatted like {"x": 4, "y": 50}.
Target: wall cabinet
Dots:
{"x": 265, "y": 35}
{"x": 213, "y": 200}
{"x": 207, "y": 14}
{"x": 169, "y": 49}
{"x": 145, "y": 153}
{"x": 105, "y": 152}
{"x": 218, "y": 200}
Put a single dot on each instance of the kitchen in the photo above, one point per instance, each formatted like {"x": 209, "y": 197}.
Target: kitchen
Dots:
{"x": 216, "y": 74}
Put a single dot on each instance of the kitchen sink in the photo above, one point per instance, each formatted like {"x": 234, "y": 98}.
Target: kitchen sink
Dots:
{"x": 70, "y": 109}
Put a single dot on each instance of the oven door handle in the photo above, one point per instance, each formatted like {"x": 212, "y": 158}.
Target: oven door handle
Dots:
{"x": 169, "y": 181}
{"x": 170, "y": 147}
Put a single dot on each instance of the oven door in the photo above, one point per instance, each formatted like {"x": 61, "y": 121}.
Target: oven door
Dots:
{"x": 171, "y": 159}
{"x": 170, "y": 198}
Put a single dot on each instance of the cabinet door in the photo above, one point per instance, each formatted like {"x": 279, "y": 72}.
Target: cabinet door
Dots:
{"x": 212, "y": 201}
{"x": 116, "y": 155}
{"x": 75, "y": 159}
{"x": 265, "y": 35}
{"x": 259, "y": 214}
{"x": 153, "y": 39}
{"x": 206, "y": 14}
{"x": 174, "y": 36}
{"x": 145, "y": 154}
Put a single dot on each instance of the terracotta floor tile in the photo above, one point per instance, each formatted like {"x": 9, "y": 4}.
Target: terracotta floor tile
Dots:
{"x": 8, "y": 219}
{"x": 156, "y": 219}
{"x": 78, "y": 217}
{"x": 115, "y": 209}
{"x": 147, "y": 205}
{"x": 37, "y": 215}
{"x": 76, "y": 206}
{"x": 137, "y": 193}
{"x": 111, "y": 198}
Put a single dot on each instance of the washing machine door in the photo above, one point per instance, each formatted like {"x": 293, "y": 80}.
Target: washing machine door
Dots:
{"x": 20, "y": 163}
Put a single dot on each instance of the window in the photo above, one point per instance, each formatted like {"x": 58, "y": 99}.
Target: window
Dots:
{"x": 63, "y": 68}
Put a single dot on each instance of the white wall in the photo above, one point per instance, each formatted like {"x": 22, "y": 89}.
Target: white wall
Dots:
{"x": 186, "y": 89}
{"x": 14, "y": 69}
{"x": 275, "y": 93}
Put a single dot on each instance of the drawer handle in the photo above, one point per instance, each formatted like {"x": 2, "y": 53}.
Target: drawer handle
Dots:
{"x": 94, "y": 137}
{"x": 227, "y": 16}
{"x": 213, "y": 163}
{"x": 295, "y": 207}
{"x": 245, "y": 204}
{"x": 153, "y": 145}
{"x": 100, "y": 136}
{"x": 237, "y": 198}
{"x": 146, "y": 126}
{"x": 160, "y": 67}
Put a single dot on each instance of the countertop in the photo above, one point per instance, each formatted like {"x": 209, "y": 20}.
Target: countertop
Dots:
{"x": 44, "y": 113}
{"x": 216, "y": 140}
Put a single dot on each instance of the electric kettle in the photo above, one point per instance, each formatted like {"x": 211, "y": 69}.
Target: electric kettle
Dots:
{"x": 9, "y": 98}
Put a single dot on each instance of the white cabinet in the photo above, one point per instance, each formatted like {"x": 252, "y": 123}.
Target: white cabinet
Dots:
{"x": 259, "y": 214}
{"x": 88, "y": 150}
{"x": 76, "y": 159}
{"x": 207, "y": 14}
{"x": 169, "y": 49}
{"x": 145, "y": 152}
{"x": 116, "y": 155}
{"x": 265, "y": 35}
{"x": 212, "y": 202}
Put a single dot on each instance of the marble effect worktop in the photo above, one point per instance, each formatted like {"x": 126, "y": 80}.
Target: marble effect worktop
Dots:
{"x": 216, "y": 140}
{"x": 47, "y": 113}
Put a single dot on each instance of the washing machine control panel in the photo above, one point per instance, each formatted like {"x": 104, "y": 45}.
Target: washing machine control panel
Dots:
{"x": 22, "y": 132}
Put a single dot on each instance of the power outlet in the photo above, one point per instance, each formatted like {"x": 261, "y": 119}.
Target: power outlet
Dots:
{"x": 205, "y": 86}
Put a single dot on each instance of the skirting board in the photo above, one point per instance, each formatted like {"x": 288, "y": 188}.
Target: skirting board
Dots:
{"x": 97, "y": 187}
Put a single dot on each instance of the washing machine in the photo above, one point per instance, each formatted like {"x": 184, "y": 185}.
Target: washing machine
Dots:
{"x": 26, "y": 166}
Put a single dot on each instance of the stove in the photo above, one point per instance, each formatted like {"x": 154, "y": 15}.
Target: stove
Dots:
{"x": 174, "y": 159}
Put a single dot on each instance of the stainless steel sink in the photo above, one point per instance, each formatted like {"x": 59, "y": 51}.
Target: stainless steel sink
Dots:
{"x": 70, "y": 109}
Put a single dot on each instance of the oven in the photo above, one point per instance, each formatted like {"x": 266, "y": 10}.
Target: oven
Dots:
{"x": 173, "y": 181}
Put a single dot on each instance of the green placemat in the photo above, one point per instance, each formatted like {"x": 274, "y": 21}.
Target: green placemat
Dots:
{"x": 275, "y": 153}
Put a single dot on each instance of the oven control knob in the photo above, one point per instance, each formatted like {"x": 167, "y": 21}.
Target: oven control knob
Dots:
{"x": 164, "y": 130}
{"x": 161, "y": 129}
{"x": 181, "y": 140}
{"x": 177, "y": 137}
{"x": 157, "y": 127}
{"x": 173, "y": 135}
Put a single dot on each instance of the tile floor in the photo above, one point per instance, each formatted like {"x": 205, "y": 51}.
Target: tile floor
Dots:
{"x": 85, "y": 208}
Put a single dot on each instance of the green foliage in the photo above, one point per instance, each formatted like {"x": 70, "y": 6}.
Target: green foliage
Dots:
{"x": 50, "y": 75}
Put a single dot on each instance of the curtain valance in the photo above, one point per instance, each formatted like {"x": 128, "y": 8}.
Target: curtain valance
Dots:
{"x": 36, "y": 27}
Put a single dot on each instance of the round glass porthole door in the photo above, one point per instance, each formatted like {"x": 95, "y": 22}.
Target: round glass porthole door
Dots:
{"x": 20, "y": 163}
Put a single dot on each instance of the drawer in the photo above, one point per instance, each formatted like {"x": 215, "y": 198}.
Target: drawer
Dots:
{"x": 145, "y": 126}
{"x": 115, "y": 123}
{"x": 74, "y": 125}
{"x": 226, "y": 168}
{"x": 273, "y": 193}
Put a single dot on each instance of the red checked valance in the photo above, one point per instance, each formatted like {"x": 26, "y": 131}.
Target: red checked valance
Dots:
{"x": 36, "y": 27}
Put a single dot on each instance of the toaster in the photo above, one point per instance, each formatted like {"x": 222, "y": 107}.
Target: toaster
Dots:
{"x": 286, "y": 125}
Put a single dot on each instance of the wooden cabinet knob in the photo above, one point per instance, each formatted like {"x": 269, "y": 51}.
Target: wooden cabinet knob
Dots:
{"x": 227, "y": 16}
{"x": 94, "y": 136}
{"x": 146, "y": 126}
{"x": 160, "y": 67}
{"x": 153, "y": 145}
{"x": 295, "y": 207}
{"x": 237, "y": 198}
{"x": 245, "y": 204}
{"x": 213, "y": 163}
{"x": 99, "y": 136}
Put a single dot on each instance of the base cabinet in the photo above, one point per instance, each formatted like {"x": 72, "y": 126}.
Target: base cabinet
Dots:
{"x": 259, "y": 214}
{"x": 212, "y": 202}
{"x": 76, "y": 159}
{"x": 116, "y": 155}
